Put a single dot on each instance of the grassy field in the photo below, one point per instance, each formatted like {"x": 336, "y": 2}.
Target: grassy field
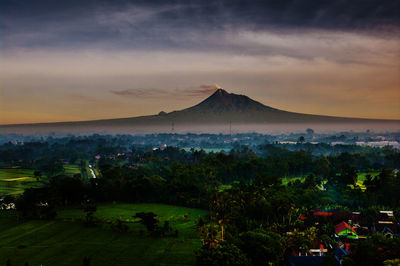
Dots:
{"x": 286, "y": 180}
{"x": 15, "y": 180}
{"x": 360, "y": 179}
{"x": 65, "y": 241}
{"x": 72, "y": 169}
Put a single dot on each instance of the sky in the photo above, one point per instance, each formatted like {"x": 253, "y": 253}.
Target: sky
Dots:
{"x": 83, "y": 60}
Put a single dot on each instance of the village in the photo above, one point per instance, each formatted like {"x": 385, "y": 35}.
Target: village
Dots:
{"x": 347, "y": 228}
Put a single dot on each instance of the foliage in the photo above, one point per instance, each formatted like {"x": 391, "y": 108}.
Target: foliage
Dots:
{"x": 33, "y": 205}
{"x": 221, "y": 255}
{"x": 262, "y": 247}
{"x": 148, "y": 219}
{"x": 393, "y": 262}
{"x": 209, "y": 235}
{"x": 375, "y": 250}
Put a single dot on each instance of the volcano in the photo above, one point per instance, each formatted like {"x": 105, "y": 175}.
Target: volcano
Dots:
{"x": 220, "y": 108}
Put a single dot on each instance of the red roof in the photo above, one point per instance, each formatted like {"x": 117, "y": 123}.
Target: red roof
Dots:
{"x": 342, "y": 226}
{"x": 302, "y": 217}
{"x": 322, "y": 213}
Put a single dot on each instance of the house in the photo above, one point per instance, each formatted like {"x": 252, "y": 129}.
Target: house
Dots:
{"x": 318, "y": 251}
{"x": 354, "y": 218}
{"x": 388, "y": 228}
{"x": 386, "y": 224}
{"x": 386, "y": 216}
{"x": 345, "y": 230}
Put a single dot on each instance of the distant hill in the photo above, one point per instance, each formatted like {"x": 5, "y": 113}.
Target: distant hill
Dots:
{"x": 221, "y": 108}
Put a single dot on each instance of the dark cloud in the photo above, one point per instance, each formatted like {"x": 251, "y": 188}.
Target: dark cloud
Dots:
{"x": 171, "y": 24}
{"x": 202, "y": 90}
{"x": 141, "y": 92}
{"x": 199, "y": 91}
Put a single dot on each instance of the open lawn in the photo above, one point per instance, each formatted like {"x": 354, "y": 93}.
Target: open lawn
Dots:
{"x": 360, "y": 179}
{"x": 65, "y": 240}
{"x": 16, "y": 180}
{"x": 72, "y": 169}
{"x": 286, "y": 180}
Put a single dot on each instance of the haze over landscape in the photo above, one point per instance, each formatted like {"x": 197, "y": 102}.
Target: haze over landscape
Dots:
{"x": 216, "y": 114}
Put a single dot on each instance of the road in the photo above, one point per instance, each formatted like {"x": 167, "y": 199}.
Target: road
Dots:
{"x": 91, "y": 171}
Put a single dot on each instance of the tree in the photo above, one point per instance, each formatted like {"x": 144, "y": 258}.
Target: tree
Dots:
{"x": 51, "y": 166}
{"x": 262, "y": 247}
{"x": 310, "y": 182}
{"x": 223, "y": 208}
{"x": 223, "y": 255}
{"x": 302, "y": 139}
{"x": 209, "y": 235}
{"x": 366, "y": 253}
{"x": 309, "y": 131}
{"x": 322, "y": 166}
{"x": 37, "y": 174}
{"x": 148, "y": 219}
{"x": 302, "y": 241}
{"x": 348, "y": 175}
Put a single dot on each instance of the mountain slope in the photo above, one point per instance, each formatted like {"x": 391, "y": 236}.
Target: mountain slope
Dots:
{"x": 219, "y": 108}
{"x": 223, "y": 106}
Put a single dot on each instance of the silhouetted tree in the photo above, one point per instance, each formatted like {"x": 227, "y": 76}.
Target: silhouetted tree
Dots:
{"x": 149, "y": 219}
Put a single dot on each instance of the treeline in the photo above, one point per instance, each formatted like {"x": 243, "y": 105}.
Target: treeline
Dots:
{"x": 72, "y": 149}
{"x": 184, "y": 178}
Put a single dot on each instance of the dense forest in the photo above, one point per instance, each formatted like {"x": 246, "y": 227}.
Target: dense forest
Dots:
{"x": 262, "y": 202}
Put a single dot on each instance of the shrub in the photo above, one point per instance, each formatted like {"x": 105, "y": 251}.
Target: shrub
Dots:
{"x": 221, "y": 255}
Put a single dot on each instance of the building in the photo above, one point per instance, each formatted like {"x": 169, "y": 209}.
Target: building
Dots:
{"x": 345, "y": 230}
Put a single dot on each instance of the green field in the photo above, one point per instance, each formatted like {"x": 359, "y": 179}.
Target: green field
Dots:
{"x": 362, "y": 177}
{"x": 286, "y": 180}
{"x": 65, "y": 241}
{"x": 72, "y": 169}
{"x": 16, "y": 180}
{"x": 360, "y": 180}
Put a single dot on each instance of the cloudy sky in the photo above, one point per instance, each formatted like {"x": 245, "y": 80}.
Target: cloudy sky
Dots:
{"x": 82, "y": 60}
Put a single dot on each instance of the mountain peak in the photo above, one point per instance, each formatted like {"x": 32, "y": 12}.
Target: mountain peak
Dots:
{"x": 222, "y": 103}
{"x": 221, "y": 92}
